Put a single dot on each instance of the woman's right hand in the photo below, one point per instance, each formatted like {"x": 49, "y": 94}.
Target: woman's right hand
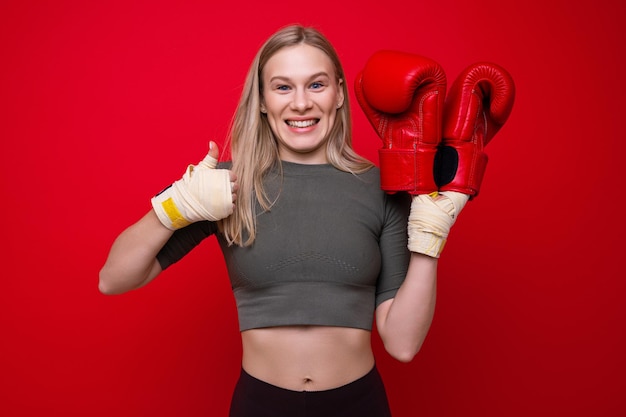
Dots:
{"x": 203, "y": 193}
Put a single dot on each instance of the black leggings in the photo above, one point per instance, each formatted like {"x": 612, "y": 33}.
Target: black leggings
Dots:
{"x": 364, "y": 397}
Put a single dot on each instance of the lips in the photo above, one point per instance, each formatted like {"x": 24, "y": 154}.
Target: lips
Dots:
{"x": 302, "y": 123}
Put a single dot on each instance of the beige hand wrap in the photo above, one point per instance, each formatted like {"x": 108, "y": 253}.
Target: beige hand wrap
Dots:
{"x": 430, "y": 220}
{"x": 203, "y": 193}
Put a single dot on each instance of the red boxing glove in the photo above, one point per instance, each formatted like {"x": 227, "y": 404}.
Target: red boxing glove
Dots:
{"x": 402, "y": 96}
{"x": 478, "y": 104}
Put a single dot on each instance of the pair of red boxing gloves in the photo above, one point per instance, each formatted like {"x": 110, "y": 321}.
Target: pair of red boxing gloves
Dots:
{"x": 433, "y": 143}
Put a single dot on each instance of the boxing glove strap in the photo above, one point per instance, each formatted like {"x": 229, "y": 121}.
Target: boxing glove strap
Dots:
{"x": 407, "y": 170}
{"x": 460, "y": 168}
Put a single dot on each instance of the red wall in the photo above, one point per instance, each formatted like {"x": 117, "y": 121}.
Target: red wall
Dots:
{"x": 104, "y": 103}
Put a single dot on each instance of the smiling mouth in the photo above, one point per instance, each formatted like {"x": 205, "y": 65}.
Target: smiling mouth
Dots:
{"x": 302, "y": 123}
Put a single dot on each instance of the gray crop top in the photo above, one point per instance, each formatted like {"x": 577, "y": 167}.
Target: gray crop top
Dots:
{"x": 331, "y": 249}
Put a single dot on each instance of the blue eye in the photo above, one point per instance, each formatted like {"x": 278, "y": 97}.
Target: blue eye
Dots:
{"x": 282, "y": 87}
{"x": 317, "y": 85}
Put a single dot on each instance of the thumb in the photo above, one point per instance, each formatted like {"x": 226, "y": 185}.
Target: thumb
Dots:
{"x": 210, "y": 160}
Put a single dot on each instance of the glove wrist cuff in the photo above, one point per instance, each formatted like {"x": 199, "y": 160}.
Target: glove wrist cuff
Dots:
{"x": 407, "y": 170}
{"x": 461, "y": 168}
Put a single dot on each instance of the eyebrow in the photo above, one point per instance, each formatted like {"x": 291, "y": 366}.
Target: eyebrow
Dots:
{"x": 316, "y": 75}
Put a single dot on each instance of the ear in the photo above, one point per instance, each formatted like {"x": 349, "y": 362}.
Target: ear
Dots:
{"x": 340, "y": 94}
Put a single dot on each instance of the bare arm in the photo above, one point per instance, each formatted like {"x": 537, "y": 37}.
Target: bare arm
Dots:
{"x": 132, "y": 259}
{"x": 404, "y": 321}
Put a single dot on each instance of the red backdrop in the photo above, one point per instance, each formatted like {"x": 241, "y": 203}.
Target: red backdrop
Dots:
{"x": 104, "y": 103}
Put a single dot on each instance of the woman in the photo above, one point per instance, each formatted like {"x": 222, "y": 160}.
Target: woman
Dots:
{"x": 312, "y": 245}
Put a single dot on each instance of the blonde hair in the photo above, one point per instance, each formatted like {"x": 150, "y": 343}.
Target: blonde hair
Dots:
{"x": 254, "y": 149}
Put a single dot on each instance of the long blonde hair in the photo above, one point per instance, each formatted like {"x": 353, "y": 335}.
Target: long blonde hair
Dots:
{"x": 254, "y": 149}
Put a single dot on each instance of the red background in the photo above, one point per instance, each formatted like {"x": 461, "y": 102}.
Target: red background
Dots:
{"x": 104, "y": 103}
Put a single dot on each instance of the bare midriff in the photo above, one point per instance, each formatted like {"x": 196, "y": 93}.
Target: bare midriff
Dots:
{"x": 307, "y": 358}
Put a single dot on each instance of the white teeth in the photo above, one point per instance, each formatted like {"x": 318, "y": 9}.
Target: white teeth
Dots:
{"x": 301, "y": 123}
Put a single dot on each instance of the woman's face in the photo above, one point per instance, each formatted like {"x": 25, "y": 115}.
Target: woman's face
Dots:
{"x": 301, "y": 95}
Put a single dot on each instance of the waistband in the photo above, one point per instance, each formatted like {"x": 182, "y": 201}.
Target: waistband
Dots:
{"x": 373, "y": 376}
{"x": 365, "y": 397}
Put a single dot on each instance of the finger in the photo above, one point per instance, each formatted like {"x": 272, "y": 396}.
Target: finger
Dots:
{"x": 210, "y": 160}
{"x": 234, "y": 186}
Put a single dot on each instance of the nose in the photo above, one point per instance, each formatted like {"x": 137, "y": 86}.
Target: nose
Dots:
{"x": 301, "y": 100}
